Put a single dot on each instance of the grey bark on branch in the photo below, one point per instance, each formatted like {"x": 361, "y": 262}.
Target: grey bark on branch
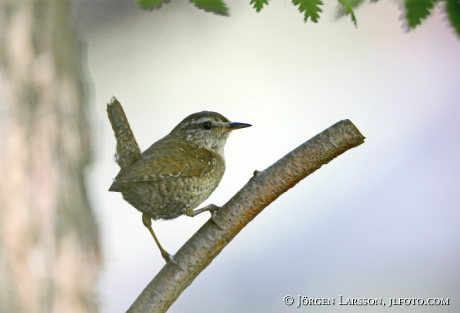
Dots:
{"x": 261, "y": 190}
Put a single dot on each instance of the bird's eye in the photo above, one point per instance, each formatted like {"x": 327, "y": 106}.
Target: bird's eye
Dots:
{"x": 207, "y": 125}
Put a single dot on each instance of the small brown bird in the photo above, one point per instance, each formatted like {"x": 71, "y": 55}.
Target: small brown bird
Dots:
{"x": 178, "y": 172}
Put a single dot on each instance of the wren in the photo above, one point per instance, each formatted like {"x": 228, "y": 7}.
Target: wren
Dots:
{"x": 175, "y": 174}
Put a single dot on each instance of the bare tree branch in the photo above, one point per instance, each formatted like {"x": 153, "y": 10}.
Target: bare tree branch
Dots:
{"x": 261, "y": 190}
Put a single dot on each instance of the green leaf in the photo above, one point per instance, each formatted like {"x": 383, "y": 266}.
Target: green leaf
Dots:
{"x": 215, "y": 6}
{"x": 417, "y": 10}
{"x": 453, "y": 12}
{"x": 151, "y": 4}
{"x": 310, "y": 8}
{"x": 258, "y": 4}
{"x": 348, "y": 6}
{"x": 355, "y": 3}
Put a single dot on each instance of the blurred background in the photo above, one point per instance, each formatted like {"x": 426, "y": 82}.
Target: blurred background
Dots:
{"x": 380, "y": 221}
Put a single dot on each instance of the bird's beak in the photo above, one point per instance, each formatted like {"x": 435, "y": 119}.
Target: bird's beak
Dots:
{"x": 236, "y": 125}
{"x": 231, "y": 126}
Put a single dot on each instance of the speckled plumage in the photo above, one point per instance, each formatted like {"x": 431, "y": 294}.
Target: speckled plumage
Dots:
{"x": 179, "y": 171}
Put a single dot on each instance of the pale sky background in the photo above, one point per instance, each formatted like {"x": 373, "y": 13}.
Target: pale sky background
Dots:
{"x": 380, "y": 221}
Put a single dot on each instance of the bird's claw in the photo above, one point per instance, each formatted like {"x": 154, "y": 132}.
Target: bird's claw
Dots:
{"x": 168, "y": 257}
{"x": 210, "y": 207}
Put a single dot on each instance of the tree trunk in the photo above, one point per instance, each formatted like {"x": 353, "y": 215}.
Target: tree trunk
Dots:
{"x": 49, "y": 245}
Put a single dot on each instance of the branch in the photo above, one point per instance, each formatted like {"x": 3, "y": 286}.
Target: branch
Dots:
{"x": 261, "y": 190}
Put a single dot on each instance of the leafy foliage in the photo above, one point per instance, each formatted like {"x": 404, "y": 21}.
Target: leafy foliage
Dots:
{"x": 417, "y": 10}
{"x": 453, "y": 12}
{"x": 310, "y": 9}
{"x": 258, "y": 4}
{"x": 348, "y": 6}
{"x": 151, "y": 4}
{"x": 215, "y": 6}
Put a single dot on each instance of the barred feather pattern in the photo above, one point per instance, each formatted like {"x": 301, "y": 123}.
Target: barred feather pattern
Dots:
{"x": 127, "y": 152}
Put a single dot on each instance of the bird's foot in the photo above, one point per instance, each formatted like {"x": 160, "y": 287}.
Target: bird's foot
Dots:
{"x": 167, "y": 256}
{"x": 212, "y": 208}
{"x": 147, "y": 220}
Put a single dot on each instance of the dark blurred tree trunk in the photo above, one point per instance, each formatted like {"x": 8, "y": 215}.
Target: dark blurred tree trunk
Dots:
{"x": 49, "y": 245}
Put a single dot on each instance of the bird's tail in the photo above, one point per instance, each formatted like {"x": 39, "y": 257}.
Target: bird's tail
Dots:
{"x": 128, "y": 150}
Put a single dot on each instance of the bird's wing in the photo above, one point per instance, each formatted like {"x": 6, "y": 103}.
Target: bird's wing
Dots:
{"x": 176, "y": 165}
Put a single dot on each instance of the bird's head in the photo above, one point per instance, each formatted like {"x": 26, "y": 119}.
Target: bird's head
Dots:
{"x": 207, "y": 129}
